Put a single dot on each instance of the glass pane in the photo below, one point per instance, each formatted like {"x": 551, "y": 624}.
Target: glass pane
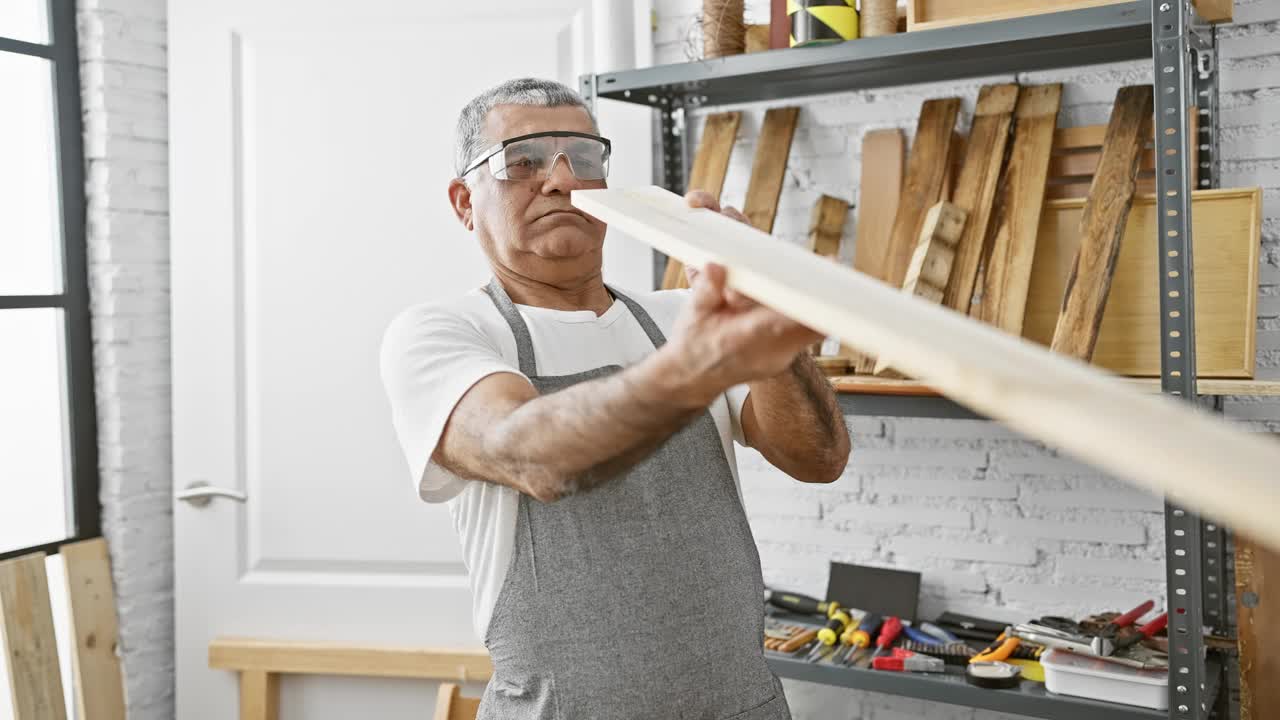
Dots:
{"x": 33, "y": 448}
{"x": 25, "y": 20}
{"x": 30, "y": 254}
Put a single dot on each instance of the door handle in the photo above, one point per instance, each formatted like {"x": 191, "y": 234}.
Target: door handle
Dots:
{"x": 201, "y": 493}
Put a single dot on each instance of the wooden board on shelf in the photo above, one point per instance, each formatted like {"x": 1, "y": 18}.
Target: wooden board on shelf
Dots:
{"x": 99, "y": 689}
{"x": 1102, "y": 224}
{"x": 826, "y": 226}
{"x": 769, "y": 168}
{"x": 883, "y": 156}
{"x": 1258, "y": 619}
{"x": 1076, "y": 151}
{"x": 976, "y": 187}
{"x": 931, "y": 14}
{"x": 1226, "y": 225}
{"x": 1012, "y": 231}
{"x": 27, "y": 638}
{"x": 710, "y": 166}
{"x": 1157, "y": 443}
{"x": 867, "y": 385}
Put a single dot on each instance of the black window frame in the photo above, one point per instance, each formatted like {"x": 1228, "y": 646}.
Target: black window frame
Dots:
{"x": 81, "y": 405}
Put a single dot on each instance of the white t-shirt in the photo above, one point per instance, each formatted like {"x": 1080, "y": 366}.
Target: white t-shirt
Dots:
{"x": 433, "y": 353}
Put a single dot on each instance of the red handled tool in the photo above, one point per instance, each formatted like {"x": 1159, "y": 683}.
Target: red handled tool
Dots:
{"x": 889, "y": 633}
{"x": 1149, "y": 630}
{"x": 1104, "y": 643}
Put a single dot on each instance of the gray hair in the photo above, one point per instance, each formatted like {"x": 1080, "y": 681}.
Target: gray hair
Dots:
{"x": 470, "y": 140}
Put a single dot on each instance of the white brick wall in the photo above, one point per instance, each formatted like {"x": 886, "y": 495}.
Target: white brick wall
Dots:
{"x": 123, "y": 76}
{"x": 997, "y": 524}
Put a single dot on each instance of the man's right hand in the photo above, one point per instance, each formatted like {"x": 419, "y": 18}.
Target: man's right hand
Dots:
{"x": 723, "y": 338}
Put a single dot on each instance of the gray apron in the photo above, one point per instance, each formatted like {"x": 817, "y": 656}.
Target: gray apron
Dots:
{"x": 640, "y": 599}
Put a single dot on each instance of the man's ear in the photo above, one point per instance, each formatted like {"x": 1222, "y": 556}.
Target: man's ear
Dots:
{"x": 460, "y": 199}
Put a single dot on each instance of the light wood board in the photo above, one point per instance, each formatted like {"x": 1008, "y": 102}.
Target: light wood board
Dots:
{"x": 92, "y": 601}
{"x": 710, "y": 166}
{"x": 1076, "y": 151}
{"x": 867, "y": 385}
{"x": 1102, "y": 224}
{"x": 932, "y": 14}
{"x": 826, "y": 226}
{"x": 976, "y": 187}
{"x": 283, "y": 656}
{"x": 1258, "y": 620}
{"x": 1012, "y": 232}
{"x": 1155, "y": 442}
{"x": 883, "y": 155}
{"x": 927, "y": 165}
{"x": 1227, "y": 226}
{"x": 26, "y": 635}
{"x": 451, "y": 704}
{"x": 769, "y": 168}
{"x": 259, "y": 695}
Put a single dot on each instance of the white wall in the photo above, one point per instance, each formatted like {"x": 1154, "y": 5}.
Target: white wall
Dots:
{"x": 993, "y": 520}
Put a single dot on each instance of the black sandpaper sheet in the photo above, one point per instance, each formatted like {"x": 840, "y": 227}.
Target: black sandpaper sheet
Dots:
{"x": 879, "y": 590}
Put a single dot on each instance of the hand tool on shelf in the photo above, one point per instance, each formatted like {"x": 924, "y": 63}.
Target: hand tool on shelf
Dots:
{"x": 1104, "y": 642}
{"x": 993, "y": 675}
{"x": 1051, "y": 637}
{"x": 889, "y": 633}
{"x": 828, "y": 635}
{"x": 1149, "y": 630}
{"x": 798, "y": 642}
{"x": 938, "y": 632}
{"x": 906, "y": 661}
{"x": 859, "y": 637}
{"x": 916, "y": 635}
{"x": 999, "y": 650}
{"x": 952, "y": 653}
{"x": 800, "y": 604}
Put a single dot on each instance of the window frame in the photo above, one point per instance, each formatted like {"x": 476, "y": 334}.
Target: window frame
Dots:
{"x": 81, "y": 404}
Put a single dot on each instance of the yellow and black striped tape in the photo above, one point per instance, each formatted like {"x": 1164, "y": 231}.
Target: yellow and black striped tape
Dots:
{"x": 822, "y": 21}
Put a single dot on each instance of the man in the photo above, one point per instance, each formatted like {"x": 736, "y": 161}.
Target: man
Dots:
{"x": 582, "y": 437}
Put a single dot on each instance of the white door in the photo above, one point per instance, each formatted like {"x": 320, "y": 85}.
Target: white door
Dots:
{"x": 311, "y": 148}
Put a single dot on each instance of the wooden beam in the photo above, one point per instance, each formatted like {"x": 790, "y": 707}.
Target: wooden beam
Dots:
{"x": 1158, "y": 443}
{"x": 863, "y": 384}
{"x": 922, "y": 186}
{"x": 278, "y": 656}
{"x": 26, "y": 631}
{"x": 1012, "y": 231}
{"x": 91, "y": 596}
{"x": 934, "y": 257}
{"x": 975, "y": 191}
{"x": 826, "y": 225}
{"x": 1102, "y": 226}
{"x": 710, "y": 166}
{"x": 259, "y": 695}
{"x": 1258, "y": 626}
{"x": 769, "y": 169}
{"x": 883, "y": 153}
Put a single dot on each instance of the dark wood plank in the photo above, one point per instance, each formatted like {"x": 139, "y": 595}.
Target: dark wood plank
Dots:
{"x": 976, "y": 187}
{"x": 826, "y": 226}
{"x": 1258, "y": 627}
{"x": 769, "y": 169}
{"x": 1015, "y": 219}
{"x": 922, "y": 185}
{"x": 1102, "y": 225}
{"x": 710, "y": 166}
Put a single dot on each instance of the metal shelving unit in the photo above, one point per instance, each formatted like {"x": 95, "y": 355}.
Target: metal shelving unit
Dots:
{"x": 1183, "y": 51}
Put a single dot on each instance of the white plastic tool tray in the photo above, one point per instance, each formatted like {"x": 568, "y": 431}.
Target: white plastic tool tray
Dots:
{"x": 1068, "y": 673}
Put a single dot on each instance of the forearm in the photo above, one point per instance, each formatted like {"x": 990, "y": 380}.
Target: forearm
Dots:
{"x": 574, "y": 439}
{"x": 797, "y": 423}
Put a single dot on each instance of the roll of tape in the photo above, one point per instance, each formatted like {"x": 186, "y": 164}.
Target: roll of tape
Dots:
{"x": 822, "y": 21}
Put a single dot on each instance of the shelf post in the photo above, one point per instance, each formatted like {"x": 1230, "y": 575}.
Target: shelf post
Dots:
{"x": 1180, "y": 50}
{"x": 671, "y": 172}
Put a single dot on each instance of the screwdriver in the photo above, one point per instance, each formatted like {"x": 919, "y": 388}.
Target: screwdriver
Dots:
{"x": 860, "y": 636}
{"x": 802, "y": 604}
{"x": 888, "y": 634}
{"x": 827, "y": 636}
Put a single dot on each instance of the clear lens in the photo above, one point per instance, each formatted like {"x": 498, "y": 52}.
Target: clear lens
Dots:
{"x": 532, "y": 159}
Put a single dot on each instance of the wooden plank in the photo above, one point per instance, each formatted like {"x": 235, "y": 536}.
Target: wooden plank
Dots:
{"x": 935, "y": 254}
{"x": 99, "y": 688}
{"x": 26, "y": 632}
{"x": 1152, "y": 441}
{"x": 932, "y": 14}
{"x": 883, "y": 153}
{"x": 1258, "y": 626}
{"x": 1216, "y": 11}
{"x": 867, "y": 385}
{"x": 769, "y": 168}
{"x": 955, "y": 158}
{"x": 1012, "y": 228}
{"x": 277, "y": 656}
{"x": 1227, "y": 226}
{"x": 710, "y": 166}
{"x": 976, "y": 187}
{"x": 1102, "y": 225}
{"x": 259, "y": 695}
{"x": 757, "y": 38}
{"x": 826, "y": 226}
{"x": 1076, "y": 152}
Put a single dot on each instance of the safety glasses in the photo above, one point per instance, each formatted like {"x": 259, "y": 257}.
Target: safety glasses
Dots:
{"x": 532, "y": 156}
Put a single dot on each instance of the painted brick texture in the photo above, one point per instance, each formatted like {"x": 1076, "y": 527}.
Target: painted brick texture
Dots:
{"x": 998, "y": 525}
{"x": 123, "y": 80}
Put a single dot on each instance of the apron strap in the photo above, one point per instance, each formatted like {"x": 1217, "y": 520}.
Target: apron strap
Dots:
{"x": 524, "y": 341}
